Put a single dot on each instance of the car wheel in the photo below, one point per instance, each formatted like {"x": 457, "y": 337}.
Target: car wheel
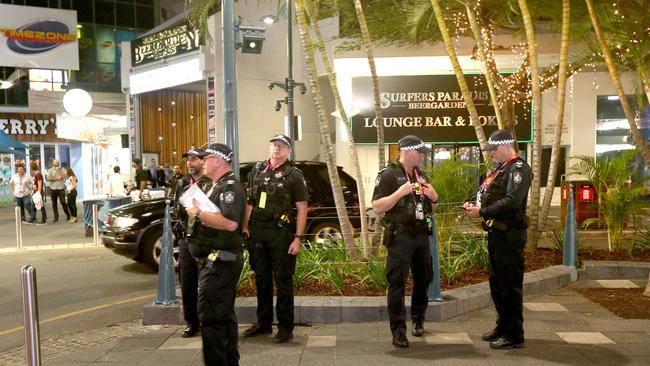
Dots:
{"x": 325, "y": 231}
{"x": 152, "y": 248}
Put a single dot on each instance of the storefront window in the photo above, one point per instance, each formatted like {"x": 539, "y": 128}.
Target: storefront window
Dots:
{"x": 49, "y": 154}
{"x": 64, "y": 155}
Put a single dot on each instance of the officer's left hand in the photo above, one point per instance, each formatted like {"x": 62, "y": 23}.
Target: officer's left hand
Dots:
{"x": 191, "y": 211}
{"x": 430, "y": 192}
{"x": 294, "y": 248}
{"x": 471, "y": 210}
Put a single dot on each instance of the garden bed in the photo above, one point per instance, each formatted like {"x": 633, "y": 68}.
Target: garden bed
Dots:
{"x": 534, "y": 260}
{"x": 627, "y": 303}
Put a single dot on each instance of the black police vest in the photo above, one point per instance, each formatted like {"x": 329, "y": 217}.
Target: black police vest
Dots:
{"x": 498, "y": 190}
{"x": 404, "y": 210}
{"x": 278, "y": 197}
{"x": 203, "y": 239}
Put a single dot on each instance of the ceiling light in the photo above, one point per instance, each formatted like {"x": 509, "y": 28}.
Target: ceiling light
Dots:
{"x": 269, "y": 19}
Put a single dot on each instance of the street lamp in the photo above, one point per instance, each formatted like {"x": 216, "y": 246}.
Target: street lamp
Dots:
{"x": 289, "y": 84}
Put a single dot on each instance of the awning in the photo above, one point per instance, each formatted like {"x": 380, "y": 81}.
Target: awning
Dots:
{"x": 8, "y": 141}
{"x": 9, "y": 151}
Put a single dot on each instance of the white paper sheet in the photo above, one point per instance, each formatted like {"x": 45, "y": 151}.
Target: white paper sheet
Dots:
{"x": 194, "y": 193}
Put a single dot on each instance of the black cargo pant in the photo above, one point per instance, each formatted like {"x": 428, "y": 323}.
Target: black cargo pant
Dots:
{"x": 268, "y": 247}
{"x": 408, "y": 251}
{"x": 59, "y": 194}
{"x": 188, "y": 273}
{"x": 217, "y": 289}
{"x": 506, "y": 250}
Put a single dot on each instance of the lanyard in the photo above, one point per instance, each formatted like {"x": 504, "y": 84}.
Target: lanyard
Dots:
{"x": 418, "y": 184}
{"x": 268, "y": 165}
{"x": 490, "y": 178}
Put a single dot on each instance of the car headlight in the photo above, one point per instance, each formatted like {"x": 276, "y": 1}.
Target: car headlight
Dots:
{"x": 124, "y": 221}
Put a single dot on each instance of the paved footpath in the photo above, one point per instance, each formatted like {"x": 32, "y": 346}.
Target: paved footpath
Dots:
{"x": 561, "y": 327}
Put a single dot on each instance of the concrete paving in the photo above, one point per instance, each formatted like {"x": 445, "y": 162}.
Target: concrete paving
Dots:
{"x": 561, "y": 327}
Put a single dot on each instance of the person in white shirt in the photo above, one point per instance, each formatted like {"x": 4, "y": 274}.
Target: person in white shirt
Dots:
{"x": 116, "y": 184}
{"x": 21, "y": 185}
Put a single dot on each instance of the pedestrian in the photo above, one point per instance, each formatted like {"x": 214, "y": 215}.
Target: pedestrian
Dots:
{"x": 188, "y": 271}
{"x": 116, "y": 185}
{"x": 169, "y": 174}
{"x": 22, "y": 185}
{"x": 276, "y": 214}
{"x": 141, "y": 176}
{"x": 215, "y": 240}
{"x": 56, "y": 181}
{"x": 153, "y": 176}
{"x": 71, "y": 198}
{"x": 176, "y": 177}
{"x": 403, "y": 192}
{"x": 501, "y": 203}
{"x": 39, "y": 186}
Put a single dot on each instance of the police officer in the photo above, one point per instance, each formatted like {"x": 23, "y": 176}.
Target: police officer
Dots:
{"x": 188, "y": 271}
{"x": 277, "y": 208}
{"x": 402, "y": 192}
{"x": 215, "y": 241}
{"x": 501, "y": 202}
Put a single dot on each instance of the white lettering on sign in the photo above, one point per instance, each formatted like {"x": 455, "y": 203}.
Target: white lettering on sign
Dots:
{"x": 30, "y": 127}
{"x": 27, "y": 126}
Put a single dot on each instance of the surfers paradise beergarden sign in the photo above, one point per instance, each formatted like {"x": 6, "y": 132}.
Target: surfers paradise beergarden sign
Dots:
{"x": 169, "y": 42}
{"x": 42, "y": 38}
{"x": 429, "y": 106}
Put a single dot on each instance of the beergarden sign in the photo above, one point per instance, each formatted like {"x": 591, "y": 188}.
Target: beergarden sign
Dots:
{"x": 429, "y": 106}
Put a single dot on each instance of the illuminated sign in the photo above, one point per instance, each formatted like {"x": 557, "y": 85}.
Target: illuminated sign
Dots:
{"x": 169, "y": 42}
{"x": 39, "y": 38}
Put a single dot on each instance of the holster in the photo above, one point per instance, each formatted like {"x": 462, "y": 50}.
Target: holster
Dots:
{"x": 389, "y": 234}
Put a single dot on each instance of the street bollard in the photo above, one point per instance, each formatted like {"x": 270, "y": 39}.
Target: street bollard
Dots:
{"x": 166, "y": 271}
{"x": 433, "y": 292}
{"x": 19, "y": 229}
{"x": 95, "y": 226}
{"x": 570, "y": 246}
{"x": 30, "y": 311}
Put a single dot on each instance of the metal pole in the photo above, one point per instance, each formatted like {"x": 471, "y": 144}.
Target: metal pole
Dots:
{"x": 433, "y": 292}
{"x": 30, "y": 311}
{"x": 289, "y": 81}
{"x": 229, "y": 80}
{"x": 166, "y": 271}
{"x": 570, "y": 245}
{"x": 95, "y": 225}
{"x": 19, "y": 229}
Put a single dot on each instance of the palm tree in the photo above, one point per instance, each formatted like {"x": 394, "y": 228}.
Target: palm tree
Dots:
{"x": 320, "y": 44}
{"x": 462, "y": 83}
{"x": 308, "y": 50}
{"x": 639, "y": 140}
{"x": 559, "y": 113}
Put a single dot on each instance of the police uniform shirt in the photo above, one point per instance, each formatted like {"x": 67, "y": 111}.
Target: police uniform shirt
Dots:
{"x": 230, "y": 197}
{"x": 294, "y": 182}
{"x": 508, "y": 192}
{"x": 387, "y": 183}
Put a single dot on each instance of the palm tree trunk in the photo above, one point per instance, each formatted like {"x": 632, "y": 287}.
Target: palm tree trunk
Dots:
{"x": 462, "y": 83}
{"x": 559, "y": 113}
{"x": 305, "y": 40}
{"x": 639, "y": 140}
{"x": 471, "y": 15}
{"x": 367, "y": 43}
{"x": 537, "y": 139}
{"x": 644, "y": 80}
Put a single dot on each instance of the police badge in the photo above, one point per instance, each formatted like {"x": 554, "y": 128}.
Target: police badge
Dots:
{"x": 278, "y": 175}
{"x": 517, "y": 177}
{"x": 229, "y": 197}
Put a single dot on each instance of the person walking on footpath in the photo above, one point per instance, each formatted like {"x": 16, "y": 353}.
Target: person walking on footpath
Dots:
{"x": 71, "y": 198}
{"x": 39, "y": 186}
{"x": 501, "y": 203}
{"x": 276, "y": 215}
{"x": 403, "y": 193}
{"x": 188, "y": 270}
{"x": 56, "y": 181}
{"x": 22, "y": 185}
{"x": 215, "y": 239}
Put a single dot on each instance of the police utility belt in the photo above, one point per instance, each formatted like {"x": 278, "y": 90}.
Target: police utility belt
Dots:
{"x": 216, "y": 255}
{"x": 490, "y": 224}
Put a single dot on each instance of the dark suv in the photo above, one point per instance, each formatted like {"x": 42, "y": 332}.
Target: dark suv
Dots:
{"x": 135, "y": 230}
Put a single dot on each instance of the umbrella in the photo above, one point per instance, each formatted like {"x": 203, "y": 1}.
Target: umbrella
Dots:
{"x": 8, "y": 141}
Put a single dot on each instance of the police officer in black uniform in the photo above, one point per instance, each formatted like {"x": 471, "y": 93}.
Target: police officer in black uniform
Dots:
{"x": 188, "y": 271}
{"x": 402, "y": 192}
{"x": 215, "y": 241}
{"x": 277, "y": 208}
{"x": 501, "y": 202}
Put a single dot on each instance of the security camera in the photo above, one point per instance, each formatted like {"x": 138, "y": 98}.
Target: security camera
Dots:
{"x": 302, "y": 87}
{"x": 278, "y": 105}
{"x": 271, "y": 86}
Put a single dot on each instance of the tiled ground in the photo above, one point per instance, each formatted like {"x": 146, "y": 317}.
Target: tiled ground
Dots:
{"x": 561, "y": 327}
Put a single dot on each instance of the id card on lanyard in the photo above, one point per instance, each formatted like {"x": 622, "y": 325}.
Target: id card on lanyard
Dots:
{"x": 418, "y": 191}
